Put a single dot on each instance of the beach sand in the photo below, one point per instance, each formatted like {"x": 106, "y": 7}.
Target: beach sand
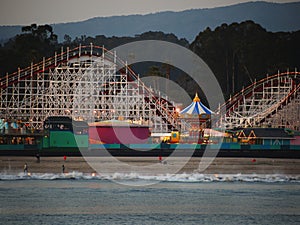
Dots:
{"x": 15, "y": 164}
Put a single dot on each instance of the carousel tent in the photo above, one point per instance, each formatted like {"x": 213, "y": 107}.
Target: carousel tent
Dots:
{"x": 196, "y": 108}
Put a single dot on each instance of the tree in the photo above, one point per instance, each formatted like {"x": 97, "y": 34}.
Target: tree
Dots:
{"x": 67, "y": 39}
{"x": 32, "y": 45}
{"x": 239, "y": 53}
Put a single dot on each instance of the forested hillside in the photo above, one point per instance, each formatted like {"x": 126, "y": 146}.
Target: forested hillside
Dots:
{"x": 237, "y": 53}
{"x": 37, "y": 42}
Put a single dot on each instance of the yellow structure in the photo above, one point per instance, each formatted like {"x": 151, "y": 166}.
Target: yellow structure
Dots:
{"x": 173, "y": 138}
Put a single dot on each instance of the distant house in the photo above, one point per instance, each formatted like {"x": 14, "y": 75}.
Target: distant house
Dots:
{"x": 266, "y": 136}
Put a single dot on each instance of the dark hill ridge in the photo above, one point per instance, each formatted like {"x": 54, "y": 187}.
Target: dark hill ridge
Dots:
{"x": 186, "y": 24}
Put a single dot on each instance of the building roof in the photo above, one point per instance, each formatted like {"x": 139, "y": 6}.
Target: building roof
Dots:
{"x": 63, "y": 123}
{"x": 266, "y": 133}
{"x": 196, "y": 108}
{"x": 115, "y": 123}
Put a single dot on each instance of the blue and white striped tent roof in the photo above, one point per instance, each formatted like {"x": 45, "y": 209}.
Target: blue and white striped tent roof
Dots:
{"x": 196, "y": 108}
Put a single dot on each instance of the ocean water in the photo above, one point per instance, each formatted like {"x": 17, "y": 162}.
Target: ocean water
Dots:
{"x": 78, "y": 198}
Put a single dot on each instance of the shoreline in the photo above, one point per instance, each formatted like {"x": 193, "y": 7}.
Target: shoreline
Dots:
{"x": 151, "y": 165}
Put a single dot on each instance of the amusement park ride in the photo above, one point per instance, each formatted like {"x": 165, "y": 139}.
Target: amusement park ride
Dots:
{"x": 270, "y": 102}
{"x": 90, "y": 83}
{"x": 87, "y": 83}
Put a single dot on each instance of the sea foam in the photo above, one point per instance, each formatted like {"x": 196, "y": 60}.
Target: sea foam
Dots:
{"x": 183, "y": 177}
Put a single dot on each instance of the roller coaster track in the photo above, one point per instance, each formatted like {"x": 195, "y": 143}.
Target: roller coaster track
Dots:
{"x": 271, "y": 102}
{"x": 45, "y": 89}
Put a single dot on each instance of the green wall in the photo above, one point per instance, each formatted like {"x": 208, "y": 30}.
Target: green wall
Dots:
{"x": 65, "y": 139}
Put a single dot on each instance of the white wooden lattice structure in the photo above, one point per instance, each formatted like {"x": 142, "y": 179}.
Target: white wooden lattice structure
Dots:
{"x": 87, "y": 83}
{"x": 270, "y": 102}
{"x": 93, "y": 84}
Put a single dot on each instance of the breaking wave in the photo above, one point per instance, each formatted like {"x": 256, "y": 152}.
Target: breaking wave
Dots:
{"x": 183, "y": 178}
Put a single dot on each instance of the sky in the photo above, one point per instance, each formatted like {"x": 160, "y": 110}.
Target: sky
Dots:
{"x": 25, "y": 12}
